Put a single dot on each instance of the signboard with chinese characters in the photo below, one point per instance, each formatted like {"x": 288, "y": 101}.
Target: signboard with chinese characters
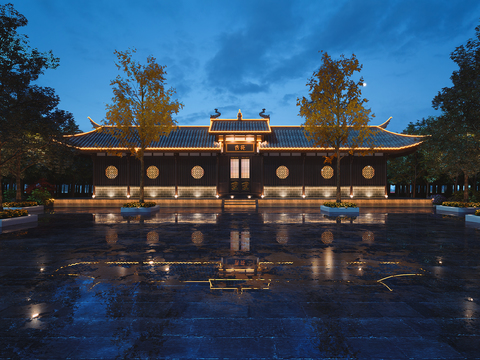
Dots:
{"x": 239, "y": 147}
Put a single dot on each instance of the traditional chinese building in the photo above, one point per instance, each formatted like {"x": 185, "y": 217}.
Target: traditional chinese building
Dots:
{"x": 240, "y": 157}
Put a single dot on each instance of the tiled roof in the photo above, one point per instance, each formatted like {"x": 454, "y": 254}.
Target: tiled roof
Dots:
{"x": 281, "y": 137}
{"x": 182, "y": 137}
{"x": 294, "y": 137}
{"x": 250, "y": 126}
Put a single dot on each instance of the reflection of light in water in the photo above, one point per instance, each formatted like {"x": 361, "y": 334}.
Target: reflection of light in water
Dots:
{"x": 315, "y": 268}
{"x": 240, "y": 241}
{"x": 234, "y": 241}
{"x": 245, "y": 244}
{"x": 197, "y": 237}
{"x": 111, "y": 236}
{"x": 282, "y": 236}
{"x": 152, "y": 237}
{"x": 327, "y": 237}
{"x": 368, "y": 237}
{"x": 329, "y": 262}
{"x": 469, "y": 307}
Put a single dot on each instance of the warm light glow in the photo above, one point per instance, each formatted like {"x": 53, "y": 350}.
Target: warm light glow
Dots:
{"x": 34, "y": 316}
{"x": 41, "y": 269}
{"x": 262, "y": 196}
{"x": 93, "y": 196}
{"x": 470, "y": 299}
{"x": 386, "y": 196}
{"x": 303, "y": 196}
{"x": 150, "y": 262}
{"x": 217, "y": 196}
{"x": 249, "y": 196}
{"x": 176, "y": 196}
{"x": 231, "y": 196}
{"x": 351, "y": 196}
{"x": 128, "y": 196}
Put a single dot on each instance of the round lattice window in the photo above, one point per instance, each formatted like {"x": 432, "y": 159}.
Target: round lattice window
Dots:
{"x": 282, "y": 172}
{"x": 152, "y": 172}
{"x": 111, "y": 172}
{"x": 368, "y": 172}
{"x": 327, "y": 237}
{"x": 197, "y": 172}
{"x": 327, "y": 172}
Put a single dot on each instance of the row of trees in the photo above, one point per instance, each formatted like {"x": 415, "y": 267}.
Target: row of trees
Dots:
{"x": 452, "y": 149}
{"x": 31, "y": 124}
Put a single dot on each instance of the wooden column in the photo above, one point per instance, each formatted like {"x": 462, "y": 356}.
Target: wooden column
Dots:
{"x": 176, "y": 174}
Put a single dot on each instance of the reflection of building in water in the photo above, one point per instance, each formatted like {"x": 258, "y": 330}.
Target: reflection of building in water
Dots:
{"x": 282, "y": 235}
{"x": 111, "y": 237}
{"x": 197, "y": 237}
{"x": 319, "y": 218}
{"x": 233, "y": 266}
{"x": 152, "y": 237}
{"x": 327, "y": 237}
{"x": 158, "y": 218}
{"x": 368, "y": 237}
{"x": 240, "y": 241}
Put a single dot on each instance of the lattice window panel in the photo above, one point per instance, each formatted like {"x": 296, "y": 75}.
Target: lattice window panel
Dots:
{"x": 152, "y": 172}
{"x": 282, "y": 172}
{"x": 327, "y": 172}
{"x": 368, "y": 172}
{"x": 197, "y": 172}
{"x": 111, "y": 172}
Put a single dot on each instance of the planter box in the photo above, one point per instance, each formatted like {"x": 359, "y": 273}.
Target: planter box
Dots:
{"x": 457, "y": 211}
{"x": 38, "y": 209}
{"x": 340, "y": 211}
{"x": 139, "y": 211}
{"x": 472, "y": 219}
{"x": 18, "y": 220}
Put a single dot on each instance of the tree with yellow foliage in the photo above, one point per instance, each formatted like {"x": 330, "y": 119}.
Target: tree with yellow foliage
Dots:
{"x": 142, "y": 108}
{"x": 335, "y": 116}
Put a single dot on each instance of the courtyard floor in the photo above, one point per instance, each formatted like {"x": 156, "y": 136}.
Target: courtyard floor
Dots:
{"x": 281, "y": 283}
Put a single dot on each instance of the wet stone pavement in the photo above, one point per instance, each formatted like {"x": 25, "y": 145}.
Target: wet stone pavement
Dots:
{"x": 275, "y": 284}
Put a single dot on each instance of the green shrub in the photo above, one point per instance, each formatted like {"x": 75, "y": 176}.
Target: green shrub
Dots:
{"x": 20, "y": 204}
{"x": 473, "y": 196}
{"x": 139, "y": 205}
{"x": 6, "y": 214}
{"x": 477, "y": 212}
{"x": 42, "y": 196}
{"x": 333, "y": 204}
{"x": 9, "y": 195}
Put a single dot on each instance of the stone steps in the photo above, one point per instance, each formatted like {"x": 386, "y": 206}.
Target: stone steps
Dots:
{"x": 240, "y": 203}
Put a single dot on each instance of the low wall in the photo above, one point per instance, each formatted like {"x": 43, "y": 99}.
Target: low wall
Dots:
{"x": 265, "y": 203}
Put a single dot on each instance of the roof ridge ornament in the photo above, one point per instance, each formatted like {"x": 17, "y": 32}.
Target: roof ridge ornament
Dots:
{"x": 217, "y": 114}
{"x": 385, "y": 124}
{"x": 239, "y": 115}
{"x": 94, "y": 124}
{"x": 263, "y": 115}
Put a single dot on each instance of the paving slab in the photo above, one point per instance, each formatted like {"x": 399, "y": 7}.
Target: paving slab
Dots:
{"x": 267, "y": 283}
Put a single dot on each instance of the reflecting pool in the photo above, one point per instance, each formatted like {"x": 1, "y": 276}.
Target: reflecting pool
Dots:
{"x": 277, "y": 283}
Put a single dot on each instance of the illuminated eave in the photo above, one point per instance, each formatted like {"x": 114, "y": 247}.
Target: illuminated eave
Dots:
{"x": 148, "y": 149}
{"x": 341, "y": 149}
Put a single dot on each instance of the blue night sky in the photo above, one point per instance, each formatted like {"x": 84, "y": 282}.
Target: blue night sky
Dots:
{"x": 251, "y": 55}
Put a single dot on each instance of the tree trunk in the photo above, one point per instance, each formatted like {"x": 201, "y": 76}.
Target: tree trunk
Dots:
{"x": 1, "y": 188}
{"x": 18, "y": 180}
{"x": 142, "y": 179}
{"x": 339, "y": 189}
{"x": 465, "y": 190}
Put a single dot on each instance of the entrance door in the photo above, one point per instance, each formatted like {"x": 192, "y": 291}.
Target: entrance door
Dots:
{"x": 239, "y": 175}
